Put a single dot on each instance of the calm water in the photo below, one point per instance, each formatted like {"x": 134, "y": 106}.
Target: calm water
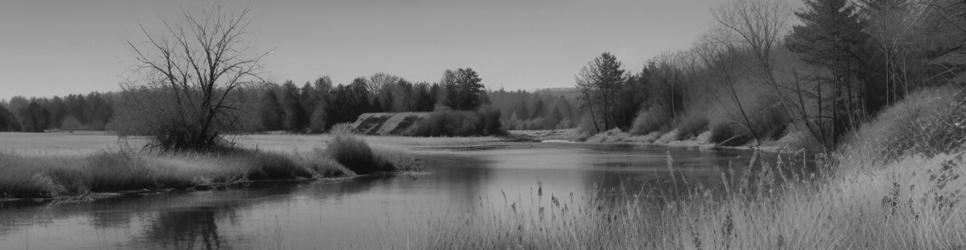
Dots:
{"x": 457, "y": 183}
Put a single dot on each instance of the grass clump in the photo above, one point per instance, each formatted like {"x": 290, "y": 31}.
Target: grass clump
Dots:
{"x": 25, "y": 176}
{"x": 356, "y": 155}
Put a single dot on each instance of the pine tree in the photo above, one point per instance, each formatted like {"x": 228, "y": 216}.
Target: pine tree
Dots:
{"x": 295, "y": 118}
{"x": 831, "y": 36}
{"x": 35, "y": 118}
{"x": 8, "y": 122}
{"x": 537, "y": 110}
{"x": 270, "y": 112}
{"x": 319, "y": 119}
{"x": 308, "y": 99}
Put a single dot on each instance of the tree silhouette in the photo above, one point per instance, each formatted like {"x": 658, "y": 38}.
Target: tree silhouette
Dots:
{"x": 200, "y": 63}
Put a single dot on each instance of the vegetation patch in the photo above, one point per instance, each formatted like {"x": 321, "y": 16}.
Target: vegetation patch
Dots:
{"x": 356, "y": 155}
{"x": 484, "y": 122}
{"x": 52, "y": 176}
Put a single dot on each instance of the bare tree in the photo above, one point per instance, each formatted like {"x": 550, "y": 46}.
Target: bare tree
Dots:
{"x": 723, "y": 63}
{"x": 199, "y": 63}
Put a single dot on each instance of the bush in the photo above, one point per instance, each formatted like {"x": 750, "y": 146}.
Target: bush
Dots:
{"x": 445, "y": 122}
{"x": 730, "y": 134}
{"x": 653, "y": 119}
{"x": 273, "y": 166}
{"x": 729, "y": 127}
{"x": 691, "y": 124}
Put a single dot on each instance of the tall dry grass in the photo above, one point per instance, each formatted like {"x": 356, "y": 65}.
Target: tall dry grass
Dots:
{"x": 911, "y": 204}
{"x": 53, "y": 175}
{"x": 355, "y": 154}
{"x": 928, "y": 122}
{"x": 905, "y": 191}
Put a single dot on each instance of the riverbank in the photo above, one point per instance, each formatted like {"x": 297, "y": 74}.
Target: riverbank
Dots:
{"x": 89, "y": 165}
{"x": 894, "y": 184}
{"x": 789, "y": 143}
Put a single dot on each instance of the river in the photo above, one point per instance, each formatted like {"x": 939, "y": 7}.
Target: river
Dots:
{"x": 368, "y": 212}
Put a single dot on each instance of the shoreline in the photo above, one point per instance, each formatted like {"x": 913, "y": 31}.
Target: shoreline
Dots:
{"x": 98, "y": 196}
{"x": 622, "y": 138}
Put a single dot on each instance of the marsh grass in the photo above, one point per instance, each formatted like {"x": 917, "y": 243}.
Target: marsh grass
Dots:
{"x": 911, "y": 204}
{"x": 897, "y": 185}
{"x": 127, "y": 170}
{"x": 355, "y": 154}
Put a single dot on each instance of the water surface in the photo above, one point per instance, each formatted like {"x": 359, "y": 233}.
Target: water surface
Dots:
{"x": 458, "y": 182}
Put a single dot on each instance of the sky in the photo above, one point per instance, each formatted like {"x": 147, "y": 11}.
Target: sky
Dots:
{"x": 58, "y": 47}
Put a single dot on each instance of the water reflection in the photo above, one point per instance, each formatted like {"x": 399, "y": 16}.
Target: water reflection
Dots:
{"x": 475, "y": 182}
{"x": 186, "y": 229}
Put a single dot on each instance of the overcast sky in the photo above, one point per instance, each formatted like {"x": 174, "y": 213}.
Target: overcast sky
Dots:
{"x": 50, "y": 47}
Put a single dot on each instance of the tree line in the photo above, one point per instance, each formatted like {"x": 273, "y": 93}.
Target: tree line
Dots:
{"x": 73, "y": 112}
{"x": 313, "y": 107}
{"x": 317, "y": 106}
{"x": 541, "y": 109}
{"x": 766, "y": 70}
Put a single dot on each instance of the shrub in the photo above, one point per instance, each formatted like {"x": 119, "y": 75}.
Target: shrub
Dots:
{"x": 71, "y": 124}
{"x": 730, "y": 134}
{"x": 491, "y": 121}
{"x": 445, "y": 122}
{"x": 691, "y": 124}
{"x": 273, "y": 166}
{"x": 729, "y": 127}
{"x": 655, "y": 118}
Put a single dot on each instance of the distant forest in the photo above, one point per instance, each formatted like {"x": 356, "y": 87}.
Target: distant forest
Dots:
{"x": 312, "y": 107}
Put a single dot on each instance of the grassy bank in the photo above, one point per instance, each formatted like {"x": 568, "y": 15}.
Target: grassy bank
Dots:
{"x": 914, "y": 203}
{"x": 114, "y": 170}
{"x": 896, "y": 184}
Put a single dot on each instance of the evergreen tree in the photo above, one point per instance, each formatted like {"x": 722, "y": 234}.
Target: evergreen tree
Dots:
{"x": 537, "y": 110}
{"x": 424, "y": 98}
{"x": 270, "y": 113}
{"x": 599, "y": 83}
{"x": 319, "y": 120}
{"x": 35, "y": 118}
{"x": 8, "y": 122}
{"x": 75, "y": 107}
{"x": 831, "y": 36}
{"x": 308, "y": 98}
{"x": 58, "y": 111}
{"x": 295, "y": 118}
